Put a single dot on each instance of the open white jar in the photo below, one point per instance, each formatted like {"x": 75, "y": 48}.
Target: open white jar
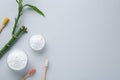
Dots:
{"x": 17, "y": 60}
{"x": 37, "y": 42}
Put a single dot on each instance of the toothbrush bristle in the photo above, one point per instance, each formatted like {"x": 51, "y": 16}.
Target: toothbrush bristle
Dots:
{"x": 32, "y": 71}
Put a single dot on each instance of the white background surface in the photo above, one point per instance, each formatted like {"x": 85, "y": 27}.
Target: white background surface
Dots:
{"x": 83, "y": 39}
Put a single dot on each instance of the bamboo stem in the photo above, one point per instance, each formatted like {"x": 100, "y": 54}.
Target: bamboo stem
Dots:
{"x": 16, "y": 21}
{"x": 19, "y": 33}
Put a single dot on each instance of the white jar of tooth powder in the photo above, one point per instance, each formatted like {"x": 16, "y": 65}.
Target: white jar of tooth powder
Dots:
{"x": 17, "y": 60}
{"x": 37, "y": 42}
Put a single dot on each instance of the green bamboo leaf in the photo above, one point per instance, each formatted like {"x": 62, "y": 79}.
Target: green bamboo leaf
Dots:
{"x": 35, "y": 9}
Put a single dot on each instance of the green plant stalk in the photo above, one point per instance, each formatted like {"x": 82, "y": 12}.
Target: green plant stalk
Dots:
{"x": 16, "y": 20}
{"x": 19, "y": 33}
{"x": 15, "y": 25}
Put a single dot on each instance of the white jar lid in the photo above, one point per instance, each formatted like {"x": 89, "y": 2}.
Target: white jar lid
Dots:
{"x": 17, "y": 60}
{"x": 37, "y": 42}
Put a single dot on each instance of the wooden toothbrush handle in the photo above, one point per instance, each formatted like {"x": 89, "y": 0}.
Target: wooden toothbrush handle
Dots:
{"x": 25, "y": 77}
{"x": 44, "y": 73}
{"x": 1, "y": 27}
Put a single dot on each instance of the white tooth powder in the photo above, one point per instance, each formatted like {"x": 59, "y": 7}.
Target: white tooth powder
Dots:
{"x": 17, "y": 60}
{"x": 37, "y": 42}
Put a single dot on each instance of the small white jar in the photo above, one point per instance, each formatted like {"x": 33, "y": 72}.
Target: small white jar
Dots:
{"x": 17, "y": 60}
{"x": 37, "y": 42}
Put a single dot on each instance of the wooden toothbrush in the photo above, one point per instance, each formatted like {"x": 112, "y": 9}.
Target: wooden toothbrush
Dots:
{"x": 30, "y": 72}
{"x": 45, "y": 69}
{"x": 4, "y": 23}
